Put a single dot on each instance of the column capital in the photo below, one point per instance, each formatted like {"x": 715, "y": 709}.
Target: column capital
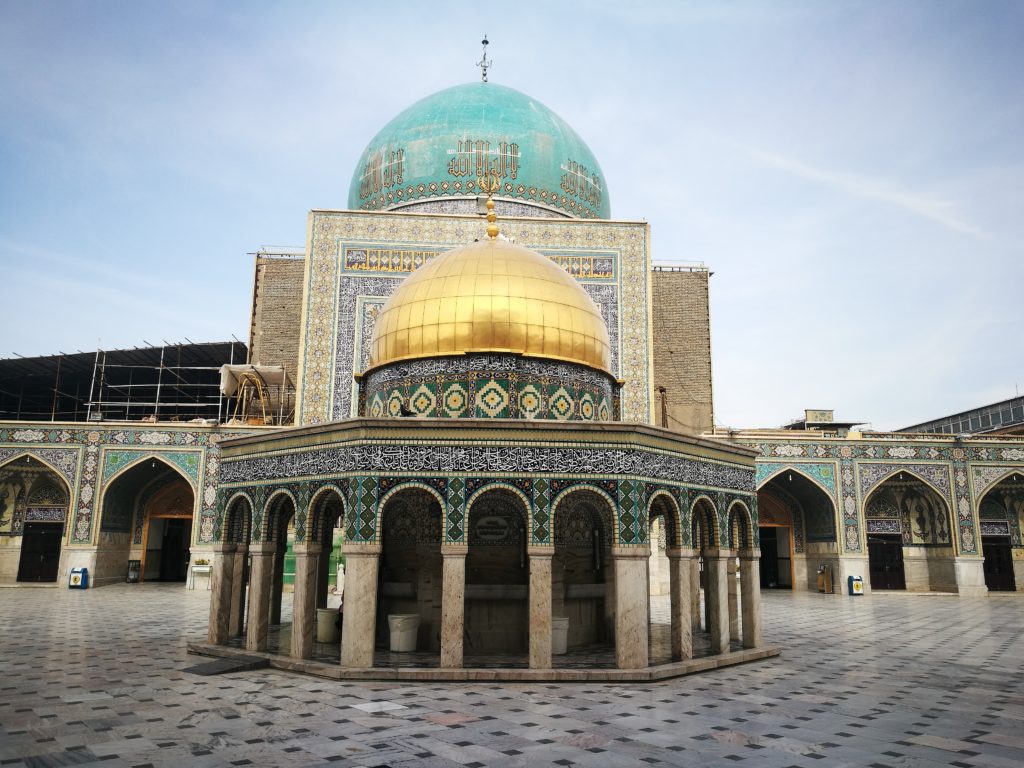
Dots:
{"x": 539, "y": 551}
{"x": 360, "y": 549}
{"x": 307, "y": 548}
{"x": 750, "y": 553}
{"x": 625, "y": 553}
{"x": 263, "y": 548}
{"x": 674, "y": 553}
{"x": 454, "y": 550}
{"x": 225, "y": 548}
{"x": 720, "y": 552}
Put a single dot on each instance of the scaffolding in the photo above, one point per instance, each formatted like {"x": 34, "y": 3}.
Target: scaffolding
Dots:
{"x": 174, "y": 382}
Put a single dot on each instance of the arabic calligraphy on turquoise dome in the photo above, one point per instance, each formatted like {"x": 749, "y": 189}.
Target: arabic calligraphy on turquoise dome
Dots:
{"x": 440, "y": 146}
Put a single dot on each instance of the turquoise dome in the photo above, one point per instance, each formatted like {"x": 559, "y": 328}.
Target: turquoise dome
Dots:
{"x": 437, "y": 149}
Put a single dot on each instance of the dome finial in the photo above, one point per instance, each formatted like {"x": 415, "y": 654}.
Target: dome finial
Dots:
{"x": 484, "y": 64}
{"x": 491, "y": 183}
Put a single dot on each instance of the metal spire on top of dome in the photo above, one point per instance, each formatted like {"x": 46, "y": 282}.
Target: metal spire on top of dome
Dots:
{"x": 484, "y": 64}
{"x": 490, "y": 184}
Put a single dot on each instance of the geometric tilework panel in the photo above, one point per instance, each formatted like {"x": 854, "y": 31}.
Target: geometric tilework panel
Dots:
{"x": 823, "y": 473}
{"x": 485, "y": 386}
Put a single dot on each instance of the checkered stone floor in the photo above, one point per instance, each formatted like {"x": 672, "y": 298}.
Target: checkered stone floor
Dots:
{"x": 95, "y": 678}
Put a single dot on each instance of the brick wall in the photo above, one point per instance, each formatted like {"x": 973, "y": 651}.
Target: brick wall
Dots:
{"x": 277, "y": 312}
{"x": 682, "y": 348}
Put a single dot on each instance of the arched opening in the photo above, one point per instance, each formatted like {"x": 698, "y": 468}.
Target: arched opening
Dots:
{"x": 581, "y": 568}
{"x": 705, "y": 538}
{"x": 325, "y": 529}
{"x": 797, "y": 532}
{"x": 146, "y": 515}
{"x": 497, "y": 617}
{"x": 910, "y": 541}
{"x": 33, "y": 511}
{"x": 663, "y": 515}
{"x": 237, "y": 527}
{"x": 741, "y": 541}
{"x": 1001, "y": 517}
{"x": 280, "y": 534}
{"x": 410, "y": 572}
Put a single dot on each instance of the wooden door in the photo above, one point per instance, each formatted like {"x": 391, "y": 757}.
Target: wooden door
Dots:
{"x": 998, "y": 563}
{"x": 885, "y": 562}
{"x": 40, "y": 552}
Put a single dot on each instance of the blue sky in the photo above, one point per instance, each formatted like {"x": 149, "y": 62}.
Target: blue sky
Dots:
{"x": 852, "y": 172}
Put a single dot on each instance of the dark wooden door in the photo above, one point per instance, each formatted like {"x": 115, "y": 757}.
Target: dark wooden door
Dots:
{"x": 998, "y": 563}
{"x": 175, "y": 549}
{"x": 40, "y": 552}
{"x": 885, "y": 562}
{"x": 769, "y": 558}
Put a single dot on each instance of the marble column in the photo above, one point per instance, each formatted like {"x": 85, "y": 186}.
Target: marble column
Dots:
{"x": 632, "y": 603}
{"x": 540, "y": 606}
{"x": 716, "y": 596}
{"x": 220, "y": 597}
{"x": 734, "y": 607}
{"x": 453, "y": 603}
{"x": 277, "y": 584}
{"x": 359, "y": 626}
{"x": 750, "y": 596}
{"x": 695, "y": 624}
{"x": 307, "y": 557}
{"x": 260, "y": 580}
{"x": 680, "y": 565}
{"x": 239, "y": 585}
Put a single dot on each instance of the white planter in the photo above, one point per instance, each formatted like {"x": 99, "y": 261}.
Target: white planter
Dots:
{"x": 326, "y": 631}
{"x": 559, "y": 636}
{"x": 404, "y": 627}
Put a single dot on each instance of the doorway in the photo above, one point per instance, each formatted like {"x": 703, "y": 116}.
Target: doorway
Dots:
{"x": 776, "y": 557}
{"x": 998, "y": 564}
{"x": 167, "y": 549}
{"x": 885, "y": 562}
{"x": 40, "y": 552}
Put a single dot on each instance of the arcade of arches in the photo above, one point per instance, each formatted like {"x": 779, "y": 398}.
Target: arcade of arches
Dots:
{"x": 910, "y": 537}
{"x": 493, "y": 594}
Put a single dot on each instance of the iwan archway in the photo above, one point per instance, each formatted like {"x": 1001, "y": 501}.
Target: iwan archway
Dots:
{"x": 33, "y": 510}
{"x": 146, "y": 514}
{"x": 910, "y": 540}
{"x": 797, "y": 531}
{"x": 1001, "y": 516}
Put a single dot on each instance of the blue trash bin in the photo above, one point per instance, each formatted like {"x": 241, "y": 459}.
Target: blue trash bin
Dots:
{"x": 856, "y": 585}
{"x": 79, "y": 578}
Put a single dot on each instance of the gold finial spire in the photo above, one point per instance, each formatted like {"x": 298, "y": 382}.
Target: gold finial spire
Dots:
{"x": 490, "y": 184}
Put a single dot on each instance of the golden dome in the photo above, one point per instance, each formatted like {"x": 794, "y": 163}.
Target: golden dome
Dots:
{"x": 491, "y": 296}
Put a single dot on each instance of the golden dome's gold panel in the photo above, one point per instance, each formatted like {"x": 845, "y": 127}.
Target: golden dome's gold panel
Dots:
{"x": 491, "y": 296}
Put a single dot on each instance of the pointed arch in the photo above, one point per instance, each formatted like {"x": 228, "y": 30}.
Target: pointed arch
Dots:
{"x": 741, "y": 525}
{"x": 318, "y": 504}
{"x": 704, "y": 515}
{"x": 669, "y": 508}
{"x": 805, "y": 475}
{"x": 896, "y": 469}
{"x": 237, "y": 527}
{"x": 151, "y": 455}
{"x": 612, "y": 507}
{"x": 993, "y": 484}
{"x": 272, "y": 508}
{"x": 32, "y": 455}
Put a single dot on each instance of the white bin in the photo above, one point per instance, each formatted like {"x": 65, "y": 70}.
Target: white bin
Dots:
{"x": 404, "y": 627}
{"x": 326, "y": 630}
{"x": 559, "y": 636}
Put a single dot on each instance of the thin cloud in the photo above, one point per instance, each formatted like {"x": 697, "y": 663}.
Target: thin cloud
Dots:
{"x": 939, "y": 211}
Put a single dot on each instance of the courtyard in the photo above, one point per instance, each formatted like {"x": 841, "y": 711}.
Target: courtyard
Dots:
{"x": 97, "y": 677}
